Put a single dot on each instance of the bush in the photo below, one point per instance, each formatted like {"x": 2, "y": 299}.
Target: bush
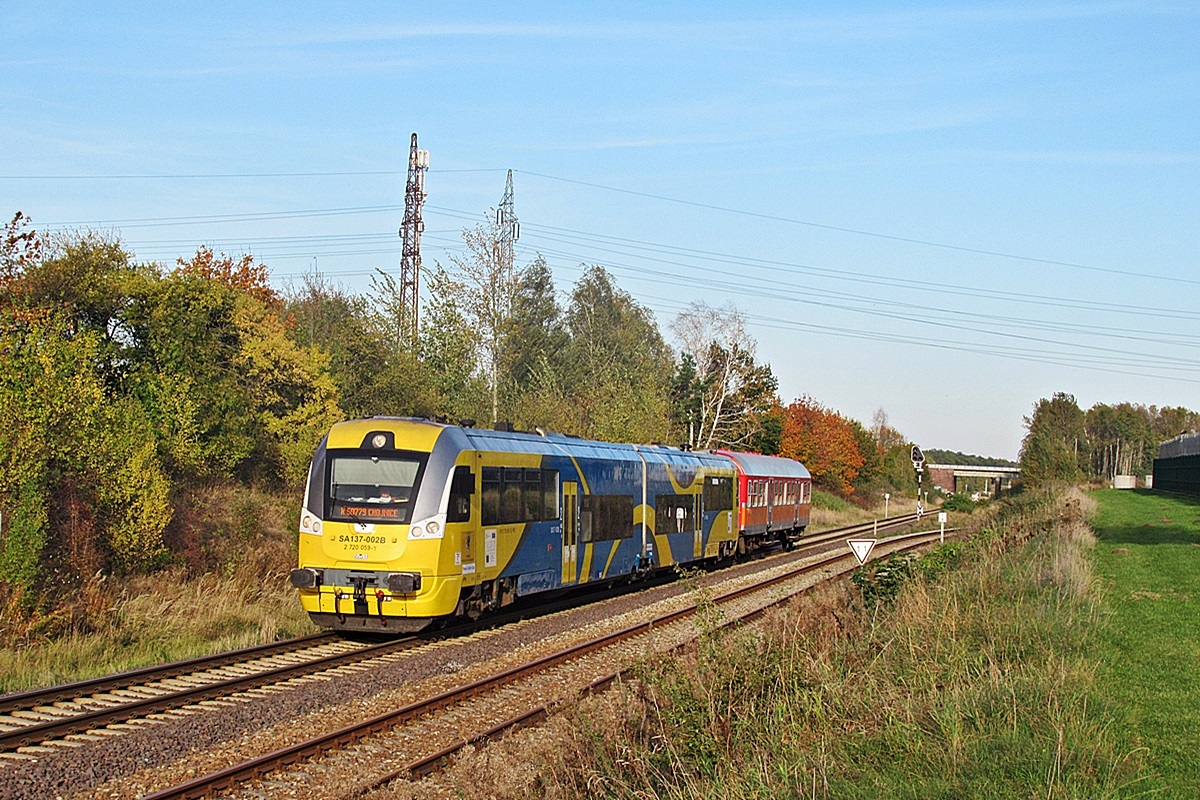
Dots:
{"x": 829, "y": 501}
{"x": 959, "y": 502}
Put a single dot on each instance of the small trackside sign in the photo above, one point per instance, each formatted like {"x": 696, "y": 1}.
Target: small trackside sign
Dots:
{"x": 862, "y": 548}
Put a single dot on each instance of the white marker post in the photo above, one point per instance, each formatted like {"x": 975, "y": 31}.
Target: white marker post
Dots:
{"x": 942, "y": 522}
{"x": 861, "y": 548}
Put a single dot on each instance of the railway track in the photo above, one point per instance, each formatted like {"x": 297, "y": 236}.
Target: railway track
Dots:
{"x": 29, "y": 718}
{"x": 76, "y": 712}
{"x": 415, "y": 739}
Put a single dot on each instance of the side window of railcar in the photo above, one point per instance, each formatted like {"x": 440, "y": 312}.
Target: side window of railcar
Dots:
{"x": 605, "y": 517}
{"x": 550, "y": 494}
{"x": 490, "y": 501}
{"x": 462, "y": 486}
{"x": 531, "y": 495}
{"x": 718, "y": 493}
{"x": 513, "y": 494}
{"x": 674, "y": 513}
{"x": 510, "y": 496}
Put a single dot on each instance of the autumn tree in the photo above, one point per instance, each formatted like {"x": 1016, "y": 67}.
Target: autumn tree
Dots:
{"x": 824, "y": 441}
{"x": 1168, "y": 422}
{"x": 20, "y": 249}
{"x": 230, "y": 392}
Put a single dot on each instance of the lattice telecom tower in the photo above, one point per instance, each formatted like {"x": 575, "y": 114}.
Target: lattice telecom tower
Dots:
{"x": 509, "y": 230}
{"x": 410, "y": 236}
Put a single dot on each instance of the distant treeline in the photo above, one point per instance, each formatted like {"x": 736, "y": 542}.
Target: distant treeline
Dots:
{"x": 934, "y": 456}
{"x": 1064, "y": 442}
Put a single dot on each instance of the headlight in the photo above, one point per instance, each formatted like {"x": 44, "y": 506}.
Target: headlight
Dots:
{"x": 309, "y": 523}
{"x": 429, "y": 528}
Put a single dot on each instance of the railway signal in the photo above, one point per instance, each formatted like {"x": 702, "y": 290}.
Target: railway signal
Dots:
{"x": 918, "y": 459}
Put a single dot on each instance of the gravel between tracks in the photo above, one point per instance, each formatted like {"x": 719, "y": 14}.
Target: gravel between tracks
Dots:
{"x": 152, "y": 754}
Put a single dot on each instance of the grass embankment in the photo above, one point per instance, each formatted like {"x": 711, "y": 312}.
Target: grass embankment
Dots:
{"x": 831, "y": 511}
{"x": 1149, "y": 561}
{"x": 242, "y": 544}
{"x": 978, "y": 681}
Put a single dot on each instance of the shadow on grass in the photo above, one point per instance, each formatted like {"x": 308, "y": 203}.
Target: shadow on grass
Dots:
{"x": 1182, "y": 526}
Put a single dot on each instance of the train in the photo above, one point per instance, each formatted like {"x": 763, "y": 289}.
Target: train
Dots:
{"x": 409, "y": 522}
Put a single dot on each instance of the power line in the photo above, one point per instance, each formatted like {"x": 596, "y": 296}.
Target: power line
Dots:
{"x": 945, "y": 288}
{"x": 782, "y": 294}
{"x": 872, "y": 234}
{"x": 1019, "y": 354}
{"x": 154, "y": 222}
{"x": 227, "y": 175}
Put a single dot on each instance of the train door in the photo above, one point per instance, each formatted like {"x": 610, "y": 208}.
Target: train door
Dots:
{"x": 464, "y": 507}
{"x": 769, "y": 489}
{"x": 570, "y": 555}
{"x": 697, "y": 528}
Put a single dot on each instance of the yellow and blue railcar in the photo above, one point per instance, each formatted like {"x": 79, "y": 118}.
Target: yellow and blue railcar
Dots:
{"x": 408, "y": 521}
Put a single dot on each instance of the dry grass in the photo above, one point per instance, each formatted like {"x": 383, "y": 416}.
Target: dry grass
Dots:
{"x": 844, "y": 513}
{"x": 244, "y": 599}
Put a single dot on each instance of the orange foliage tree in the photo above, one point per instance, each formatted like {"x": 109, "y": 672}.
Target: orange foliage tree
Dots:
{"x": 244, "y": 274}
{"x": 824, "y": 441}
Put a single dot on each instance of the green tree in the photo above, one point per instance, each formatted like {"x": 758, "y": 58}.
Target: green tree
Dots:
{"x": 1054, "y": 449}
{"x": 229, "y": 391}
{"x": 1118, "y": 439}
{"x": 81, "y": 486}
{"x": 535, "y": 344}
{"x": 621, "y": 368}
{"x": 326, "y": 318}
{"x": 450, "y": 348}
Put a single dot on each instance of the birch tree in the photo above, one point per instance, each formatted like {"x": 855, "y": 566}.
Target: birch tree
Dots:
{"x": 488, "y": 284}
{"x": 729, "y": 390}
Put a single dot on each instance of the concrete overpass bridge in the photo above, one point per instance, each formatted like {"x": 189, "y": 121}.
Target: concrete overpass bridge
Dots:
{"x": 995, "y": 479}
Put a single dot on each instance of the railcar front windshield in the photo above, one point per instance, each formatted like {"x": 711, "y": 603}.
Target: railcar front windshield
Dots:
{"x": 374, "y": 488}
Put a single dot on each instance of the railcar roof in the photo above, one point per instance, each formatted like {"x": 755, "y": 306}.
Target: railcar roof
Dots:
{"x": 759, "y": 466}
{"x": 559, "y": 444}
{"x": 554, "y": 444}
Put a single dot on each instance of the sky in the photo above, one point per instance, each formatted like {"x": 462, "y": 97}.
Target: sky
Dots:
{"x": 943, "y": 210}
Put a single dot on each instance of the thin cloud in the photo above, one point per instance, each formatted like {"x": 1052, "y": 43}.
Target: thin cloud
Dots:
{"x": 1107, "y": 157}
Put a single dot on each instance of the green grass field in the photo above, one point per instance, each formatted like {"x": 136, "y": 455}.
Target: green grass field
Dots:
{"x": 1148, "y": 560}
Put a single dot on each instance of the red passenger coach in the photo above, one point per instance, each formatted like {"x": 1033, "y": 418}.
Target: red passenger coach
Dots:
{"x": 774, "y": 499}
